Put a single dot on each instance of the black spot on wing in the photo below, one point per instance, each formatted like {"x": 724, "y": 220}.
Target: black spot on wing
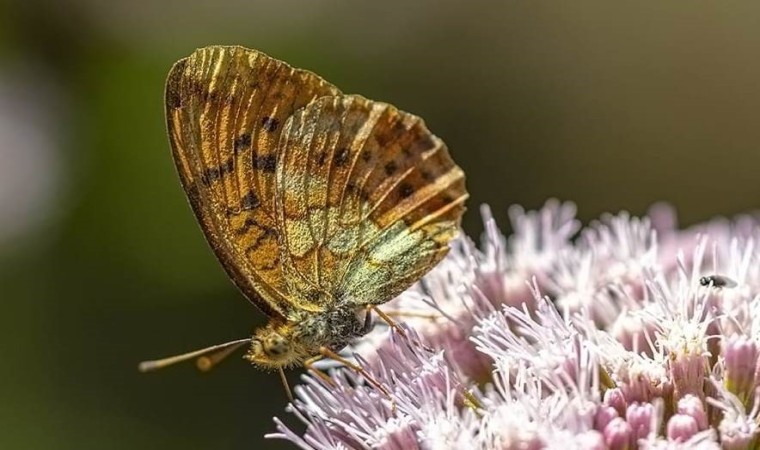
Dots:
{"x": 405, "y": 190}
{"x": 266, "y": 163}
{"x": 243, "y": 142}
{"x": 267, "y": 233}
{"x": 173, "y": 99}
{"x": 341, "y": 157}
{"x": 212, "y": 174}
{"x": 270, "y": 124}
{"x": 250, "y": 201}
{"x": 247, "y": 225}
{"x": 390, "y": 168}
{"x": 227, "y": 167}
{"x": 322, "y": 158}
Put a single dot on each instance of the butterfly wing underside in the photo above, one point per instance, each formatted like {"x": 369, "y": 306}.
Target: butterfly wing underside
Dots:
{"x": 366, "y": 197}
{"x": 225, "y": 109}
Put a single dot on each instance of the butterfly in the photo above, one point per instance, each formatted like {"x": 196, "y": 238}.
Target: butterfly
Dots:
{"x": 319, "y": 205}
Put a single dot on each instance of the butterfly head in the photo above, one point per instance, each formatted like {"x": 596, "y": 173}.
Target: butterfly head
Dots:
{"x": 274, "y": 346}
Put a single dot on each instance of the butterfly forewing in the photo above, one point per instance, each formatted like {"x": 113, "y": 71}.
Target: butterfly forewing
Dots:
{"x": 367, "y": 200}
{"x": 226, "y": 107}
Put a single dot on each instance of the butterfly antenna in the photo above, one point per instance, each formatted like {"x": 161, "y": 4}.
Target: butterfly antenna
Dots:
{"x": 221, "y": 351}
{"x": 207, "y": 362}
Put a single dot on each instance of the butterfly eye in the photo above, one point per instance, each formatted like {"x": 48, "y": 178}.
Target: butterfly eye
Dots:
{"x": 275, "y": 345}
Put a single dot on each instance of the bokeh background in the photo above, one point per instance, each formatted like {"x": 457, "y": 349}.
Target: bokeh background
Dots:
{"x": 614, "y": 105}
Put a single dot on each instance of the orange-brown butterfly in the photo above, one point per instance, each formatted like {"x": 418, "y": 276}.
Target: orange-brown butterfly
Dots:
{"x": 318, "y": 204}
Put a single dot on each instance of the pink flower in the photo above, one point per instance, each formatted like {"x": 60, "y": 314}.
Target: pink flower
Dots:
{"x": 627, "y": 334}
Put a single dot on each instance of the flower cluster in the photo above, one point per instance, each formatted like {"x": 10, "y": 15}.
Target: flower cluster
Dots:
{"x": 629, "y": 333}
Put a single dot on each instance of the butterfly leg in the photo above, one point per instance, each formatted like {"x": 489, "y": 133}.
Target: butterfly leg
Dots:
{"x": 327, "y": 353}
{"x": 285, "y": 384}
{"x": 367, "y": 327}
{"x": 391, "y": 323}
{"x": 309, "y": 365}
{"x": 420, "y": 315}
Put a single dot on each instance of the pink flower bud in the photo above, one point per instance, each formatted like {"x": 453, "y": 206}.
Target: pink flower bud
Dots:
{"x": 692, "y": 406}
{"x": 616, "y": 399}
{"x": 618, "y": 434}
{"x": 682, "y": 427}
{"x": 640, "y": 416}
{"x": 741, "y": 357}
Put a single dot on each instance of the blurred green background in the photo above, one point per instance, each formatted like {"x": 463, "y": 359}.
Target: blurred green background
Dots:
{"x": 614, "y": 105}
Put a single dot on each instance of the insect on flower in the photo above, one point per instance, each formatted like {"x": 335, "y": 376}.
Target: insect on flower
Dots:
{"x": 718, "y": 281}
{"x": 319, "y": 205}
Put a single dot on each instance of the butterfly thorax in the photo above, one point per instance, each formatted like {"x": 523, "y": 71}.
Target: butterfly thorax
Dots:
{"x": 290, "y": 342}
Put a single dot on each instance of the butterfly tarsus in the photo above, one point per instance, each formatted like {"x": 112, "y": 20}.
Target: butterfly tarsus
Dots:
{"x": 394, "y": 325}
{"x": 325, "y": 352}
{"x": 416, "y": 314}
{"x": 391, "y": 323}
{"x": 309, "y": 365}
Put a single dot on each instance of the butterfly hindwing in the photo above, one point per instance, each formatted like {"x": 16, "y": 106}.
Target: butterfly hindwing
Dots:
{"x": 225, "y": 108}
{"x": 367, "y": 200}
